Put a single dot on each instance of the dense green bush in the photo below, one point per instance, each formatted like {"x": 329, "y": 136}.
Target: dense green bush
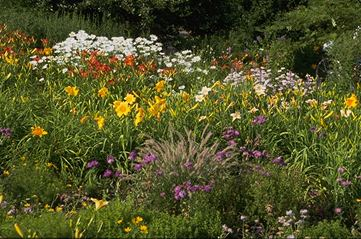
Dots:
{"x": 345, "y": 55}
{"x": 29, "y": 178}
{"x": 167, "y": 17}
{"x": 299, "y": 32}
{"x": 56, "y": 26}
{"x": 326, "y": 229}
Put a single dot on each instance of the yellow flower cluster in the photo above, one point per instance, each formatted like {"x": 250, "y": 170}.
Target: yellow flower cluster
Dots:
{"x": 123, "y": 108}
{"x": 137, "y": 221}
{"x": 71, "y": 90}
{"x": 158, "y": 107}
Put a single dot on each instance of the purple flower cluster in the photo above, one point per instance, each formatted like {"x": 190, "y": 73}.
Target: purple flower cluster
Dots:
{"x": 260, "y": 170}
{"x": 220, "y": 155}
{"x": 256, "y": 154}
{"x": 110, "y": 159}
{"x": 343, "y": 182}
{"x": 279, "y": 161}
{"x": 230, "y": 134}
{"x": 183, "y": 190}
{"x": 147, "y": 159}
{"x": 259, "y": 120}
{"x": 133, "y": 155}
{"x": 6, "y": 132}
{"x": 92, "y": 164}
{"x": 108, "y": 172}
{"x": 188, "y": 165}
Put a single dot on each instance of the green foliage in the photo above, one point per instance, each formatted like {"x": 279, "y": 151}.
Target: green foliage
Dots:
{"x": 42, "y": 225}
{"x": 309, "y": 27}
{"x": 56, "y": 26}
{"x": 203, "y": 222}
{"x": 29, "y": 178}
{"x": 345, "y": 58}
{"x": 326, "y": 229}
{"x": 275, "y": 192}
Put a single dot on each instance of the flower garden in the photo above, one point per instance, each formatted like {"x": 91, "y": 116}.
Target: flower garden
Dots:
{"x": 113, "y": 138}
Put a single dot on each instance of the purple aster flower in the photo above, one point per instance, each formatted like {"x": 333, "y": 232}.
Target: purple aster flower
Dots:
{"x": 259, "y": 120}
{"x": 178, "y": 195}
{"x": 107, "y": 173}
{"x": 92, "y": 164}
{"x": 279, "y": 161}
{"x": 257, "y": 154}
{"x": 133, "y": 155}
{"x": 159, "y": 172}
{"x": 207, "y": 188}
{"x": 6, "y": 132}
{"x": 110, "y": 159}
{"x": 231, "y": 142}
{"x": 138, "y": 166}
{"x": 341, "y": 170}
{"x": 179, "y": 192}
{"x": 28, "y": 210}
{"x": 338, "y": 210}
{"x": 195, "y": 188}
{"x": 230, "y": 134}
{"x": 343, "y": 182}
{"x": 187, "y": 185}
{"x": 149, "y": 158}
{"x": 118, "y": 174}
{"x": 313, "y": 129}
{"x": 220, "y": 155}
{"x": 188, "y": 165}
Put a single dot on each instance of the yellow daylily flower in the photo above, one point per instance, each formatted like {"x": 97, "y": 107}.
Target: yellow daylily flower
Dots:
{"x": 99, "y": 203}
{"x": 100, "y": 120}
{"x": 103, "y": 92}
{"x": 160, "y": 86}
{"x": 351, "y": 102}
{"x": 38, "y": 131}
{"x": 18, "y": 230}
{"x": 71, "y": 90}
{"x": 130, "y": 98}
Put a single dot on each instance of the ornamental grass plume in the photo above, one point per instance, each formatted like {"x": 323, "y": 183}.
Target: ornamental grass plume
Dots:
{"x": 164, "y": 164}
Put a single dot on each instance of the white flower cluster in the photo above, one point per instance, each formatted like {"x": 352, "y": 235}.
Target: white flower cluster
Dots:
{"x": 121, "y": 47}
{"x": 357, "y": 32}
{"x": 202, "y": 94}
{"x": 234, "y": 78}
{"x": 267, "y": 83}
{"x": 69, "y": 50}
{"x": 185, "y": 58}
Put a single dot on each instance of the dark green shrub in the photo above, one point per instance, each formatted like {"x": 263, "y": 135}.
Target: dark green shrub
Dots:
{"x": 44, "y": 225}
{"x": 308, "y": 28}
{"x": 30, "y": 178}
{"x": 272, "y": 191}
{"x": 345, "y": 55}
{"x": 326, "y": 229}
